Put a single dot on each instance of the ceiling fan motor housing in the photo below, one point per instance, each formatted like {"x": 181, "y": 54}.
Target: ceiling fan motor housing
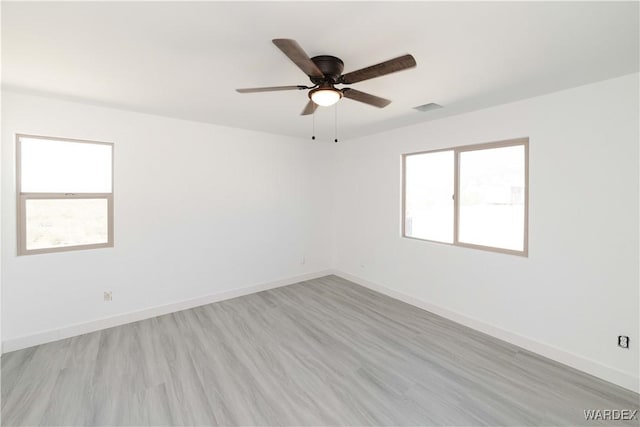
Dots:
{"x": 330, "y": 66}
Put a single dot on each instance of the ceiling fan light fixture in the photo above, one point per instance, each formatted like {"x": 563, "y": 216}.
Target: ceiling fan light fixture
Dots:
{"x": 325, "y": 96}
{"x": 325, "y": 71}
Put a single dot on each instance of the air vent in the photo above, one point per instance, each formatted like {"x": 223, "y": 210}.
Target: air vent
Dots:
{"x": 428, "y": 107}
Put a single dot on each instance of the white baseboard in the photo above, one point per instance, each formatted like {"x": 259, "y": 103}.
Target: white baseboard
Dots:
{"x": 134, "y": 316}
{"x": 581, "y": 363}
{"x": 589, "y": 366}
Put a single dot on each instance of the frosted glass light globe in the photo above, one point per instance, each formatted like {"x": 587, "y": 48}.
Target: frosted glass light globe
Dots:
{"x": 326, "y": 97}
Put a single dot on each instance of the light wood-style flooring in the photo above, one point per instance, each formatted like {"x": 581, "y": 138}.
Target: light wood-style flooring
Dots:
{"x": 321, "y": 352}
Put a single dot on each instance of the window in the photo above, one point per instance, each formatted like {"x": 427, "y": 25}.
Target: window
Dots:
{"x": 65, "y": 194}
{"x": 474, "y": 196}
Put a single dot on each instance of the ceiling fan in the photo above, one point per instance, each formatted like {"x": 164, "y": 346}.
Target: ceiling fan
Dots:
{"x": 325, "y": 72}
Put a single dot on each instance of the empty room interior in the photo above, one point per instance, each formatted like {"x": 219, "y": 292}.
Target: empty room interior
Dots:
{"x": 320, "y": 213}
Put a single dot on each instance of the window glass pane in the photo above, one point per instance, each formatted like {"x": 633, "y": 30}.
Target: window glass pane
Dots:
{"x": 52, "y": 166}
{"x": 54, "y": 223}
{"x": 492, "y": 197}
{"x": 429, "y": 196}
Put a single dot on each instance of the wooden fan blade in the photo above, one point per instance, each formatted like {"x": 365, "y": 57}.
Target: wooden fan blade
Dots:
{"x": 367, "y": 98}
{"x": 310, "y": 108}
{"x": 292, "y": 49}
{"x": 381, "y": 69}
{"x": 270, "y": 89}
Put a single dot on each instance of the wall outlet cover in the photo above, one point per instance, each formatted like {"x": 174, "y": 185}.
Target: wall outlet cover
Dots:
{"x": 623, "y": 341}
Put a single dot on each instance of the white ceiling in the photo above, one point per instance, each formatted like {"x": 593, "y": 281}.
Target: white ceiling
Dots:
{"x": 184, "y": 59}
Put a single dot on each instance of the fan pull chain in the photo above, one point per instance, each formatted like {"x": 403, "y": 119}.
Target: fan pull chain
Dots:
{"x": 313, "y": 136}
{"x": 336, "y": 124}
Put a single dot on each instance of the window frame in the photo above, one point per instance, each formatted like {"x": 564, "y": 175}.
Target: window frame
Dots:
{"x": 456, "y": 191}
{"x": 22, "y": 198}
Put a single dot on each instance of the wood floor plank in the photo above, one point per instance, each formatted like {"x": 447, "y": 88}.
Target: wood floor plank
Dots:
{"x": 320, "y": 352}
{"x": 13, "y": 366}
{"x": 28, "y": 399}
{"x": 70, "y": 396}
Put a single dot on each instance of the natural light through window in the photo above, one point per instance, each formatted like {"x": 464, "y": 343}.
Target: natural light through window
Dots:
{"x": 429, "y": 196}
{"x": 492, "y": 197}
{"x": 473, "y": 196}
{"x": 66, "y": 222}
{"x": 53, "y": 166}
{"x": 65, "y": 194}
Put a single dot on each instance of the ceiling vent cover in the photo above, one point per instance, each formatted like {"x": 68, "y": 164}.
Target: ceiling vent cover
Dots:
{"x": 428, "y": 107}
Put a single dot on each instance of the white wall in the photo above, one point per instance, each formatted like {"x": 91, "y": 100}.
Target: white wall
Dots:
{"x": 578, "y": 289}
{"x": 199, "y": 210}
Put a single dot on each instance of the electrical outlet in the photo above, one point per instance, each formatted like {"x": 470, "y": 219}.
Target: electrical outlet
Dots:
{"x": 108, "y": 296}
{"x": 623, "y": 341}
